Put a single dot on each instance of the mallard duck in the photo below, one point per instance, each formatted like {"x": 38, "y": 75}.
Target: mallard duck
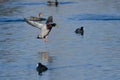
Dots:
{"x": 41, "y": 68}
{"x": 45, "y": 28}
{"x": 39, "y": 18}
{"x": 80, "y": 31}
{"x": 52, "y": 2}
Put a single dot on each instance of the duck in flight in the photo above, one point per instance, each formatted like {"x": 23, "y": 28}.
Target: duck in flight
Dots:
{"x": 45, "y": 28}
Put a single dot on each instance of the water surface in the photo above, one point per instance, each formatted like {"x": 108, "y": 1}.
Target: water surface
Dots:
{"x": 93, "y": 56}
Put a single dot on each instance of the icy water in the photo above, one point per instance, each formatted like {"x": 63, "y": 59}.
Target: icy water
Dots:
{"x": 69, "y": 56}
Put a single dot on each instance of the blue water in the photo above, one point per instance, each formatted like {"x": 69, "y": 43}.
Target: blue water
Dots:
{"x": 69, "y": 56}
{"x": 77, "y": 18}
{"x": 95, "y": 17}
{"x": 11, "y": 19}
{"x": 35, "y": 3}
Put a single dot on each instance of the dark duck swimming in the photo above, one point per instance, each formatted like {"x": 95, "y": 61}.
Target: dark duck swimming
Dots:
{"x": 41, "y": 68}
{"x": 80, "y": 30}
{"x": 52, "y": 3}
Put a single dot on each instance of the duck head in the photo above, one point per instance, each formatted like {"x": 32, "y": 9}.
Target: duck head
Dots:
{"x": 40, "y": 15}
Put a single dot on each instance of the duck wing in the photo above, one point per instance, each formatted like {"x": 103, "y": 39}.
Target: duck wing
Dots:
{"x": 49, "y": 20}
{"x": 34, "y": 24}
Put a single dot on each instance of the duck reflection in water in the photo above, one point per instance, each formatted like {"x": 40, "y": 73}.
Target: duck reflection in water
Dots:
{"x": 45, "y": 57}
{"x": 41, "y": 68}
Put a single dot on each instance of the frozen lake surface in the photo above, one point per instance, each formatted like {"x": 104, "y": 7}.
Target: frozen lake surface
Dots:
{"x": 69, "y": 56}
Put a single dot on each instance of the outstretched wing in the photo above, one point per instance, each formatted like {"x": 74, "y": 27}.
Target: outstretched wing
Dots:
{"x": 49, "y": 20}
{"x": 33, "y": 23}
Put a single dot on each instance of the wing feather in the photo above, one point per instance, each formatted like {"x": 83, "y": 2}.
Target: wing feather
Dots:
{"x": 49, "y": 20}
{"x": 34, "y": 24}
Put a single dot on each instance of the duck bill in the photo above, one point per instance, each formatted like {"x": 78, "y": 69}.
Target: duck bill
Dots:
{"x": 56, "y": 26}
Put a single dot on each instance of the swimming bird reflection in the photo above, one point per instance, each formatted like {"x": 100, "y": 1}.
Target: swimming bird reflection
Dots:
{"x": 45, "y": 57}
